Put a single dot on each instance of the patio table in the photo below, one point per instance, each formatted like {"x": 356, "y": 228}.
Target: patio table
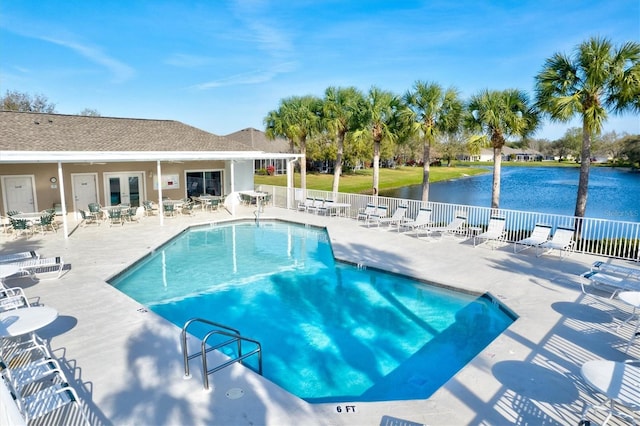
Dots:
{"x": 618, "y": 381}
{"x": 18, "y": 322}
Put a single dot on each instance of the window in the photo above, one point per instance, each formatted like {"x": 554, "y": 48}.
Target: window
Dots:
{"x": 204, "y": 182}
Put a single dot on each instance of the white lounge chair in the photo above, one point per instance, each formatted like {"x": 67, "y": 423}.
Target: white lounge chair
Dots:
{"x": 495, "y": 231}
{"x": 395, "y": 219}
{"x": 562, "y": 241}
{"x": 12, "y": 298}
{"x": 422, "y": 220}
{"x": 363, "y": 214}
{"x": 48, "y": 400}
{"x": 380, "y": 213}
{"x": 454, "y": 227}
{"x": 624, "y": 271}
{"x": 17, "y": 257}
{"x": 539, "y": 235}
{"x": 614, "y": 283}
{"x": 41, "y": 265}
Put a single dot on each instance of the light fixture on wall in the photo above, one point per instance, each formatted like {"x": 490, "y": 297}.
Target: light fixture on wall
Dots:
{"x": 53, "y": 179}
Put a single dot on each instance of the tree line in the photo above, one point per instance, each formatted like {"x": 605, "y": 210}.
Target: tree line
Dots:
{"x": 597, "y": 79}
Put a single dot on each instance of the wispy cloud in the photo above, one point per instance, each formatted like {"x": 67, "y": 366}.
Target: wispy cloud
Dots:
{"x": 120, "y": 71}
{"x": 250, "y": 77}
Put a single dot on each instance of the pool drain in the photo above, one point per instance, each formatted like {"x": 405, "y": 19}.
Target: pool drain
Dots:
{"x": 235, "y": 393}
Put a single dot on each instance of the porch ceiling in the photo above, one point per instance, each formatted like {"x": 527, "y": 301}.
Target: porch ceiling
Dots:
{"x": 118, "y": 156}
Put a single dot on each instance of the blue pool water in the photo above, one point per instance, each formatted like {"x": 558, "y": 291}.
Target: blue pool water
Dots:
{"x": 329, "y": 331}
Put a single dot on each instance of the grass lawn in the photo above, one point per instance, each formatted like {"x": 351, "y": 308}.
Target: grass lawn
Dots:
{"x": 362, "y": 180}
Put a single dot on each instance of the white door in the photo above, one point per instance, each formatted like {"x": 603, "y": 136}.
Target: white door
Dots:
{"x": 85, "y": 190}
{"x": 124, "y": 188}
{"x": 19, "y": 194}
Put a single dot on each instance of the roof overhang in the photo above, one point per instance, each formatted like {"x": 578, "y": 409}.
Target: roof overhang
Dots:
{"x": 131, "y": 156}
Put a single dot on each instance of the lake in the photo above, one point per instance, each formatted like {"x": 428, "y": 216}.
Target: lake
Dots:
{"x": 614, "y": 193}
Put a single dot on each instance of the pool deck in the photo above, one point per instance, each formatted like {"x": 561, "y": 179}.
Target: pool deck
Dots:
{"x": 126, "y": 364}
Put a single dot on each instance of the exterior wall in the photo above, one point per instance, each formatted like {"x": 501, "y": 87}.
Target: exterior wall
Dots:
{"x": 243, "y": 176}
{"x": 48, "y": 194}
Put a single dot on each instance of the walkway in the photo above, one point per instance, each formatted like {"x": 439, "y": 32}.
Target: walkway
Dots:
{"x": 128, "y": 370}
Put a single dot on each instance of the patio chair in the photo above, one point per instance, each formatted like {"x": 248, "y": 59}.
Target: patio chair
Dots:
{"x": 168, "y": 209}
{"x": 495, "y": 231}
{"x": 422, "y": 220}
{"x": 561, "y": 241}
{"x": 47, "y": 400}
{"x": 16, "y": 257}
{"x": 380, "y": 213}
{"x": 149, "y": 208}
{"x": 88, "y": 218}
{"x": 21, "y": 227}
{"x": 41, "y": 265}
{"x": 47, "y": 221}
{"x": 23, "y": 375}
{"x": 364, "y": 213}
{"x": 396, "y": 218}
{"x": 115, "y": 217}
{"x": 613, "y": 283}
{"x": 539, "y": 235}
{"x": 12, "y": 298}
{"x": 624, "y": 271}
{"x": 452, "y": 228}
{"x": 96, "y": 210}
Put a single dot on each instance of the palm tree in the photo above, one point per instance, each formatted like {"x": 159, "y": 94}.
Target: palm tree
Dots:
{"x": 597, "y": 78}
{"x": 379, "y": 120}
{"x": 339, "y": 108}
{"x": 434, "y": 111}
{"x": 296, "y": 119}
{"x": 498, "y": 116}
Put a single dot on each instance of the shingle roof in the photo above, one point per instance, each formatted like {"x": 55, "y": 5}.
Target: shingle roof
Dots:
{"x": 258, "y": 140}
{"x": 25, "y": 131}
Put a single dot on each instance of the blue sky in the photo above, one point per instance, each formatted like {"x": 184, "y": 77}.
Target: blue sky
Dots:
{"x": 223, "y": 65}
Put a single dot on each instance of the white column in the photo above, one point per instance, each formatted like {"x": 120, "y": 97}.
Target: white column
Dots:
{"x": 160, "y": 205}
{"x": 63, "y": 204}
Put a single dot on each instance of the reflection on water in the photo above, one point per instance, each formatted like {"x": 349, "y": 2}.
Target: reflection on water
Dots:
{"x": 613, "y": 193}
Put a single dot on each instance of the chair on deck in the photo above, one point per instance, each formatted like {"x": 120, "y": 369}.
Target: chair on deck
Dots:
{"x": 168, "y": 209}
{"x": 40, "y": 265}
{"x": 96, "y": 209}
{"x": 380, "y": 213}
{"x": 422, "y": 220}
{"x": 149, "y": 208}
{"x": 21, "y": 227}
{"x": 17, "y": 257}
{"x": 47, "y": 221}
{"x": 539, "y": 235}
{"x": 624, "y": 271}
{"x": 562, "y": 241}
{"x": 395, "y": 219}
{"x": 495, "y": 231}
{"x": 453, "y": 227}
{"x": 364, "y": 213}
{"x": 115, "y": 217}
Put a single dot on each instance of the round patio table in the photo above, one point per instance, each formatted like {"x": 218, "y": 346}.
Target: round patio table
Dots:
{"x": 17, "y": 322}
{"x": 618, "y": 381}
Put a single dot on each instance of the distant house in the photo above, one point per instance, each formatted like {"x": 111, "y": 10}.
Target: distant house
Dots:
{"x": 508, "y": 154}
{"x": 70, "y": 161}
{"x": 258, "y": 139}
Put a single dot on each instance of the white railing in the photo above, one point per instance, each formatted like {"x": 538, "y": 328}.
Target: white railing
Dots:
{"x": 610, "y": 238}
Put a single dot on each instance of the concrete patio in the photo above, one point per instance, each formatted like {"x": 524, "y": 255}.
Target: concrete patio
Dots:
{"x": 127, "y": 368}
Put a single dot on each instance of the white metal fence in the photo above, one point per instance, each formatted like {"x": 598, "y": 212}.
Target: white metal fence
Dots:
{"x": 610, "y": 238}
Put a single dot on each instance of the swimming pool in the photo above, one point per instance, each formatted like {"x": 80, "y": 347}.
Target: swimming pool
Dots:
{"x": 329, "y": 331}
